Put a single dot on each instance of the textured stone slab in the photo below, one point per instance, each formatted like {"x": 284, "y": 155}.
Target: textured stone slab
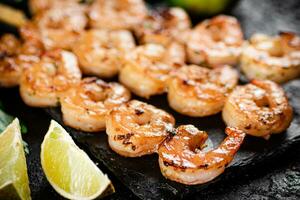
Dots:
{"x": 142, "y": 175}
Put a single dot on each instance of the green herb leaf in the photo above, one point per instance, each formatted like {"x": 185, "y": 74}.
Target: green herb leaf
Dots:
{"x": 23, "y": 128}
{"x": 26, "y": 147}
{"x": 6, "y": 119}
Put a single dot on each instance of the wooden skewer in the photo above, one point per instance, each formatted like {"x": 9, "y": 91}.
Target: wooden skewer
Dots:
{"x": 12, "y": 16}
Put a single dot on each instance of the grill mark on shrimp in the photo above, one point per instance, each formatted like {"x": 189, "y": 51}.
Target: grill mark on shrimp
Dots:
{"x": 138, "y": 112}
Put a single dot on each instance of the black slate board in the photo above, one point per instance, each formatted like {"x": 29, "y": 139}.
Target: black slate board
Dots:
{"x": 269, "y": 17}
{"x": 142, "y": 175}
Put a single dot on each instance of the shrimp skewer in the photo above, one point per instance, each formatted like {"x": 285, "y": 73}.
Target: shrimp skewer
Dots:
{"x": 181, "y": 158}
{"x": 260, "y": 108}
{"x": 273, "y": 58}
{"x": 146, "y": 69}
{"x": 136, "y": 128}
{"x": 42, "y": 84}
{"x": 215, "y": 42}
{"x": 100, "y": 52}
{"x": 197, "y": 91}
{"x": 85, "y": 105}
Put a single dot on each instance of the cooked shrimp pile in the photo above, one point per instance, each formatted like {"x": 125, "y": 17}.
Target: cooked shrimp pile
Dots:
{"x": 152, "y": 52}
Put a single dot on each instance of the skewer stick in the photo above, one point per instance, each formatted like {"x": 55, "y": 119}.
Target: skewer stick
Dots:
{"x": 12, "y": 16}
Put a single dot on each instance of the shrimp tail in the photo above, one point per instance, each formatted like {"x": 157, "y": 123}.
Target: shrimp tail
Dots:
{"x": 235, "y": 132}
{"x": 267, "y": 85}
{"x": 232, "y": 142}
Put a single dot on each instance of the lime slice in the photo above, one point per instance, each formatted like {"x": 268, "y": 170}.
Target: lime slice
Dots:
{"x": 14, "y": 182}
{"x": 69, "y": 169}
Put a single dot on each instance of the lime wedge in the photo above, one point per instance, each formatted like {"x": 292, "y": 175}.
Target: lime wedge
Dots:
{"x": 69, "y": 169}
{"x": 14, "y": 182}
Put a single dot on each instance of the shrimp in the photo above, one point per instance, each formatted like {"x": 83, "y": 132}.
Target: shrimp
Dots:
{"x": 181, "y": 158}
{"x": 136, "y": 128}
{"x": 197, "y": 91}
{"x": 164, "y": 26}
{"x": 147, "y": 68}
{"x": 9, "y": 71}
{"x": 32, "y": 48}
{"x": 61, "y": 25}
{"x": 29, "y": 33}
{"x": 273, "y": 58}
{"x": 42, "y": 84}
{"x": 259, "y": 108}
{"x": 215, "y": 42}
{"x": 15, "y": 56}
{"x": 116, "y": 14}
{"x": 100, "y": 52}
{"x": 36, "y": 6}
{"x": 9, "y": 44}
{"x": 85, "y": 105}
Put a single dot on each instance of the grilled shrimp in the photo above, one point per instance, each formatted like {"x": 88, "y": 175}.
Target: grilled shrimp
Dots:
{"x": 42, "y": 84}
{"x": 147, "y": 68}
{"x": 85, "y": 105}
{"x": 197, "y": 91}
{"x": 61, "y": 25}
{"x": 9, "y": 44}
{"x": 15, "y": 56}
{"x": 164, "y": 26}
{"x": 273, "y": 58}
{"x": 29, "y": 32}
{"x": 181, "y": 157}
{"x": 259, "y": 108}
{"x": 116, "y": 14}
{"x": 100, "y": 52}
{"x": 215, "y": 42}
{"x": 32, "y": 48}
{"x": 36, "y": 6}
{"x": 136, "y": 128}
{"x": 10, "y": 72}
{"x": 39, "y": 5}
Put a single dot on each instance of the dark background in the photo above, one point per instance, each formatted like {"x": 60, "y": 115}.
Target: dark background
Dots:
{"x": 278, "y": 178}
